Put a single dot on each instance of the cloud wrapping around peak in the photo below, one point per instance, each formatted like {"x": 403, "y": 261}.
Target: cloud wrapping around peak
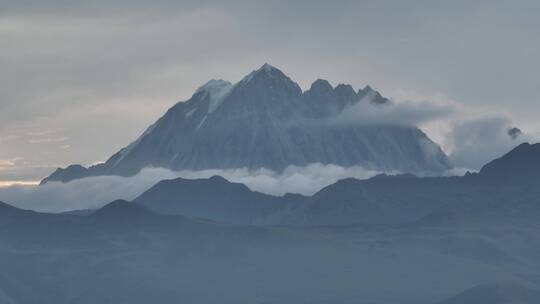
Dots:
{"x": 470, "y": 136}
{"x": 397, "y": 112}
{"x": 480, "y": 139}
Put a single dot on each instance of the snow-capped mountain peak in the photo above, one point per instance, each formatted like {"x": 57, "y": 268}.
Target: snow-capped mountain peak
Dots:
{"x": 213, "y": 85}
{"x": 267, "y": 68}
{"x": 266, "y": 121}
{"x": 265, "y": 72}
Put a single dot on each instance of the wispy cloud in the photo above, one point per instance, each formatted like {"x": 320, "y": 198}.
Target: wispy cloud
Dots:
{"x": 7, "y": 184}
{"x": 478, "y": 139}
{"x": 47, "y": 140}
{"x": 397, "y": 112}
{"x": 6, "y": 163}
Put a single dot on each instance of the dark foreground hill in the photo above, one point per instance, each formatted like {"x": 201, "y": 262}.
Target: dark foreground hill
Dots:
{"x": 124, "y": 253}
{"x": 389, "y": 239}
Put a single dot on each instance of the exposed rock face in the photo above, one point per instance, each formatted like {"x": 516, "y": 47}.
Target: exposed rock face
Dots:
{"x": 266, "y": 121}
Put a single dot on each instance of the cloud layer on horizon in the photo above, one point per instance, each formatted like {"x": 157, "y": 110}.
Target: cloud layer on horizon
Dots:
{"x": 94, "y": 192}
{"x": 483, "y": 139}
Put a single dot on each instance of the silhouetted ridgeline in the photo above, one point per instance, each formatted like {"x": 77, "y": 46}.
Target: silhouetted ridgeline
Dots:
{"x": 498, "y": 190}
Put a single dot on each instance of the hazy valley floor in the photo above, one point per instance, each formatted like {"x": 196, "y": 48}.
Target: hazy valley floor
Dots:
{"x": 144, "y": 257}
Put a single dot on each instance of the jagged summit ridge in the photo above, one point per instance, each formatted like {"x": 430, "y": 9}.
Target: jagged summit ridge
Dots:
{"x": 267, "y": 67}
{"x": 266, "y": 71}
{"x": 265, "y": 120}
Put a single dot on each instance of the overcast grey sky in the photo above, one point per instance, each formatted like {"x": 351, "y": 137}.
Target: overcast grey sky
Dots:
{"x": 81, "y": 79}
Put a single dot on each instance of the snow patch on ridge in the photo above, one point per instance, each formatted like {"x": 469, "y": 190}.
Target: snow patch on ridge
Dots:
{"x": 190, "y": 112}
{"x": 201, "y": 123}
{"x": 266, "y": 68}
{"x": 216, "y": 91}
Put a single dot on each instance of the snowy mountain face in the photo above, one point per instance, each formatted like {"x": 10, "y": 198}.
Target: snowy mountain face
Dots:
{"x": 266, "y": 121}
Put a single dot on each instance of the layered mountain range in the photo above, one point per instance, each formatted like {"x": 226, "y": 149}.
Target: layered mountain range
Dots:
{"x": 389, "y": 239}
{"x": 402, "y": 238}
{"x": 266, "y": 121}
{"x": 503, "y": 188}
